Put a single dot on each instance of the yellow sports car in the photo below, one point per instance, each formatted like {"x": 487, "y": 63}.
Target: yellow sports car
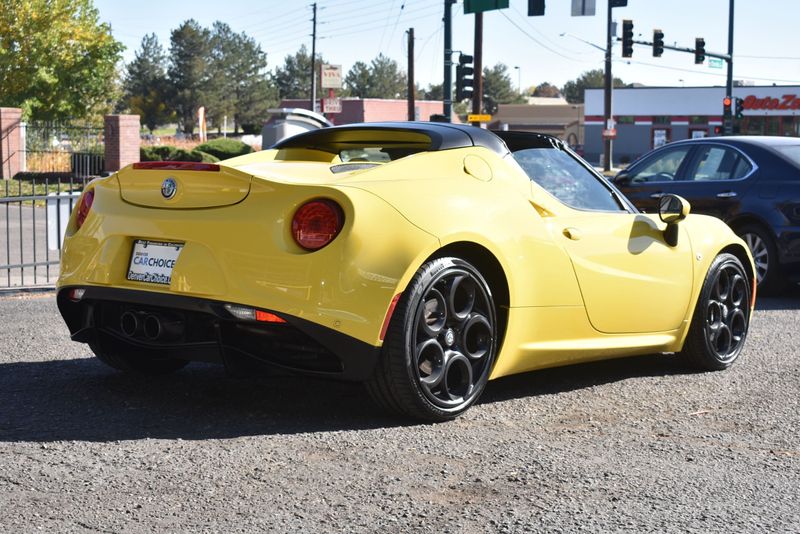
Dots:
{"x": 422, "y": 259}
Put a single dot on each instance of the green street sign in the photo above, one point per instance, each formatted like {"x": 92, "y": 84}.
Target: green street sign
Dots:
{"x": 714, "y": 63}
{"x": 479, "y": 6}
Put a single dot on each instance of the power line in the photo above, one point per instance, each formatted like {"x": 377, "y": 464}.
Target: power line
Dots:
{"x": 532, "y": 27}
{"x": 537, "y": 41}
{"x": 693, "y": 71}
{"x": 368, "y": 30}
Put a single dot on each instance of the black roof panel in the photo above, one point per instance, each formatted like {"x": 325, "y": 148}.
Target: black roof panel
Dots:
{"x": 443, "y": 136}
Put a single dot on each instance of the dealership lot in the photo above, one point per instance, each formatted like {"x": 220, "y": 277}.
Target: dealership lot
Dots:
{"x": 635, "y": 444}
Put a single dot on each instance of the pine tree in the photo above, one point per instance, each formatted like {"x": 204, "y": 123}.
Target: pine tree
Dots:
{"x": 293, "y": 80}
{"x": 188, "y": 72}
{"x": 145, "y": 86}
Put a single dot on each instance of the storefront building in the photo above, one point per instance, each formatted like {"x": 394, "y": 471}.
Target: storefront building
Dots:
{"x": 648, "y": 117}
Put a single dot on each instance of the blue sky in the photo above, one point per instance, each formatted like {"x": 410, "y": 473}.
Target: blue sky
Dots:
{"x": 766, "y": 36}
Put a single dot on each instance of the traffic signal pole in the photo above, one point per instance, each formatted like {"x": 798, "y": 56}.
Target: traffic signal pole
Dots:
{"x": 607, "y": 95}
{"x": 447, "y": 86}
{"x": 728, "y": 121}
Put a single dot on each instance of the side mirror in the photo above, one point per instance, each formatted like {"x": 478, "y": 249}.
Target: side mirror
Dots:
{"x": 672, "y": 209}
{"x": 622, "y": 178}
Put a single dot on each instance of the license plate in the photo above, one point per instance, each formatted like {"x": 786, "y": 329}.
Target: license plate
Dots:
{"x": 153, "y": 261}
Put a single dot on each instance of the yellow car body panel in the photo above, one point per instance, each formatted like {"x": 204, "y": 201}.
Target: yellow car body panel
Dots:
{"x": 581, "y": 285}
{"x": 244, "y": 254}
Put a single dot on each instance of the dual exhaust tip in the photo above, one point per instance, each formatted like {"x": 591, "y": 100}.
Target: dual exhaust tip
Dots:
{"x": 150, "y": 326}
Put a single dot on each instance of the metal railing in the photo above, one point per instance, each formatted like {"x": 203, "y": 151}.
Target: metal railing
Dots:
{"x": 55, "y": 147}
{"x": 33, "y": 219}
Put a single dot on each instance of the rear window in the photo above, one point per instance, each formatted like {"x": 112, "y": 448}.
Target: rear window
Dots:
{"x": 563, "y": 177}
{"x": 791, "y": 152}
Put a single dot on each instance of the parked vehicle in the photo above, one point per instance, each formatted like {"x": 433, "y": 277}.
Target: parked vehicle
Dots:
{"x": 420, "y": 258}
{"x": 750, "y": 182}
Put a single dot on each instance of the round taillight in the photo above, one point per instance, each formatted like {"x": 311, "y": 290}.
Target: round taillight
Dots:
{"x": 83, "y": 208}
{"x": 317, "y": 223}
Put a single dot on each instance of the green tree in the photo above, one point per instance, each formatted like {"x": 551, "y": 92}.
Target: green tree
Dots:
{"x": 293, "y": 79}
{"x": 433, "y": 92}
{"x": 357, "y": 80}
{"x": 381, "y": 79}
{"x": 573, "y": 90}
{"x": 239, "y": 86}
{"x": 145, "y": 86}
{"x": 188, "y": 72}
{"x": 57, "y": 61}
{"x": 546, "y": 90}
{"x": 497, "y": 85}
{"x": 386, "y": 79}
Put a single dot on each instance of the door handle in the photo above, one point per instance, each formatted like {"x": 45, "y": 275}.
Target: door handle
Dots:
{"x": 726, "y": 194}
{"x": 572, "y": 233}
{"x": 657, "y": 195}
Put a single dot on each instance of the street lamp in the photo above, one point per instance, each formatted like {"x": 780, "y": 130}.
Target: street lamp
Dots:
{"x": 519, "y": 79}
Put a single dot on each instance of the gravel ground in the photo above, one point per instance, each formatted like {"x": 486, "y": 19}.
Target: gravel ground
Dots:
{"x": 628, "y": 445}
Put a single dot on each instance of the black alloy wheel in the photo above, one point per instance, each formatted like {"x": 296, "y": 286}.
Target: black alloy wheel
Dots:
{"x": 441, "y": 343}
{"x": 721, "y": 317}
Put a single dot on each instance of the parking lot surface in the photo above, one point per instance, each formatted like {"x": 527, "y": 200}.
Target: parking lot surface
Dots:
{"x": 637, "y": 445}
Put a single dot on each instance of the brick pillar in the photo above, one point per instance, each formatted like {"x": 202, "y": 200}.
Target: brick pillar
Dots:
{"x": 122, "y": 141}
{"x": 10, "y": 141}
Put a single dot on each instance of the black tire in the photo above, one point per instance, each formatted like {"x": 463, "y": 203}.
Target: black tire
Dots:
{"x": 721, "y": 317}
{"x": 140, "y": 364}
{"x": 440, "y": 345}
{"x": 769, "y": 277}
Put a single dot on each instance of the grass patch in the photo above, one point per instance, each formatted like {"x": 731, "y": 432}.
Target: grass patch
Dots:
{"x": 25, "y": 188}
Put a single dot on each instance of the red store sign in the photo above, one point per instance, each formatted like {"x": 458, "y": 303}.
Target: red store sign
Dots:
{"x": 785, "y": 102}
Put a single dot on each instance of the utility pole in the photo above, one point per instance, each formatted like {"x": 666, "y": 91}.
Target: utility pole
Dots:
{"x": 411, "y": 85}
{"x": 727, "y": 122}
{"x": 477, "y": 78}
{"x": 313, "y": 59}
{"x": 607, "y": 94}
{"x": 447, "y": 86}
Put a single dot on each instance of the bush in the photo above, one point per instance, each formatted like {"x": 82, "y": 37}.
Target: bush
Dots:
{"x": 171, "y": 153}
{"x": 251, "y": 129}
{"x": 225, "y": 148}
{"x": 181, "y": 154}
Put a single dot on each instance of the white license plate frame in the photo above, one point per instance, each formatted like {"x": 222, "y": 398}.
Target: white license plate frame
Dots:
{"x": 152, "y": 261}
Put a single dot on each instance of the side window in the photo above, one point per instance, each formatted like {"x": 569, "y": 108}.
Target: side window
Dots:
{"x": 563, "y": 177}
{"x": 662, "y": 167}
{"x": 715, "y": 163}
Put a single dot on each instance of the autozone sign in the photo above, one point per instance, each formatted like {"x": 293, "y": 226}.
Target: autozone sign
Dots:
{"x": 784, "y": 102}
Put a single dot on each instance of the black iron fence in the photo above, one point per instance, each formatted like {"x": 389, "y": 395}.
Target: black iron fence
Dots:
{"x": 33, "y": 217}
{"x": 64, "y": 148}
{"x": 57, "y": 161}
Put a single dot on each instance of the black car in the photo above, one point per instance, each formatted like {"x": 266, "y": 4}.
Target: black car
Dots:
{"x": 750, "y": 182}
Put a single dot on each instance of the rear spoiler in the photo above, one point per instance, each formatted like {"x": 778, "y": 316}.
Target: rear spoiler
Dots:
{"x": 427, "y": 136}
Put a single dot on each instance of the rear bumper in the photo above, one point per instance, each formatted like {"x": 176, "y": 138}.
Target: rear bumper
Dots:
{"x": 204, "y": 330}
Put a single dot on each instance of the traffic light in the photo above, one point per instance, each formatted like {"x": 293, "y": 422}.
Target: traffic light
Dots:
{"x": 726, "y": 106}
{"x": 699, "y": 50}
{"x": 739, "y": 106}
{"x": 464, "y": 80}
{"x": 658, "y": 43}
{"x": 627, "y": 38}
